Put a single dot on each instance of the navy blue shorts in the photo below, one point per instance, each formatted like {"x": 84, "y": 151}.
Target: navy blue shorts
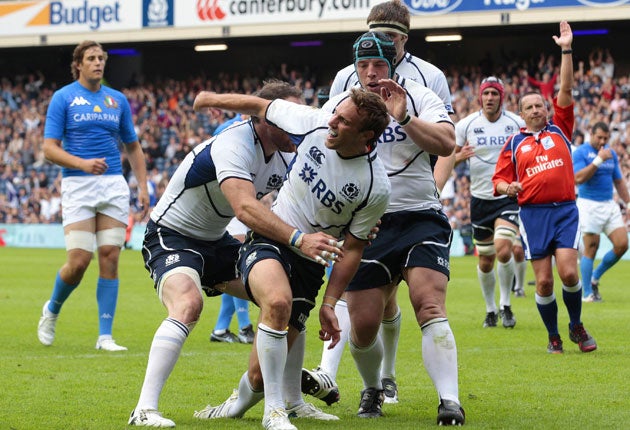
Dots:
{"x": 215, "y": 261}
{"x": 305, "y": 276}
{"x": 405, "y": 239}
{"x": 483, "y": 214}
{"x": 545, "y": 228}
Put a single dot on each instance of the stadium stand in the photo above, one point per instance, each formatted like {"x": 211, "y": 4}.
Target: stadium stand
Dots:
{"x": 168, "y": 127}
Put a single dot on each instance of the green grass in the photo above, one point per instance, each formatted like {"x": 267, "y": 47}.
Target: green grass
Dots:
{"x": 507, "y": 380}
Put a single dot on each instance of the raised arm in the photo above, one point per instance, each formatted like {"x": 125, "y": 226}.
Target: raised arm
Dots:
{"x": 242, "y": 103}
{"x": 565, "y": 95}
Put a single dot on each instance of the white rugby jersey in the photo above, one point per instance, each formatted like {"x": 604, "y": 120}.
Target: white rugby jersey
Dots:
{"x": 410, "y": 67}
{"x": 193, "y": 203}
{"x": 323, "y": 191}
{"x": 410, "y": 168}
{"x": 487, "y": 139}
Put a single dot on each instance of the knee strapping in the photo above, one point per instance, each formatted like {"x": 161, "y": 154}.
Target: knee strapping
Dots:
{"x": 485, "y": 248}
{"x": 111, "y": 236}
{"x": 505, "y": 233}
{"x": 192, "y": 273}
{"x": 77, "y": 239}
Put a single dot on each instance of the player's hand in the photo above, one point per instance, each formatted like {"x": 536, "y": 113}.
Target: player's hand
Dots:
{"x": 322, "y": 248}
{"x": 605, "y": 154}
{"x": 94, "y": 166}
{"x": 374, "y": 232}
{"x": 466, "y": 152}
{"x": 329, "y": 326}
{"x": 143, "y": 201}
{"x": 513, "y": 189}
{"x": 395, "y": 98}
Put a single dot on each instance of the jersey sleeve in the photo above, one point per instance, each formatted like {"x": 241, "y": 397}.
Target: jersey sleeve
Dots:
{"x": 340, "y": 82}
{"x": 127, "y": 130}
{"x": 564, "y": 118}
{"x": 460, "y": 131}
{"x": 580, "y": 160}
{"x": 232, "y": 157}
{"x": 505, "y": 171}
{"x": 441, "y": 88}
{"x": 616, "y": 169}
{"x": 55, "y": 117}
{"x": 296, "y": 119}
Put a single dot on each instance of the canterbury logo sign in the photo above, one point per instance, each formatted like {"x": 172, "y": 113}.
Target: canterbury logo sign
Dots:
{"x": 209, "y": 10}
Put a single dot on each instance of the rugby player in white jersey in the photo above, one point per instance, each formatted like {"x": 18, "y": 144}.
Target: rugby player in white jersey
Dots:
{"x": 186, "y": 246}
{"x": 480, "y": 138}
{"x": 392, "y": 18}
{"x": 414, "y": 238}
{"x": 336, "y": 185}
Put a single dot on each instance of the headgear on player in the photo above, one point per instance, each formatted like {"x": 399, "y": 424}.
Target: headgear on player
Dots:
{"x": 492, "y": 82}
{"x": 375, "y": 44}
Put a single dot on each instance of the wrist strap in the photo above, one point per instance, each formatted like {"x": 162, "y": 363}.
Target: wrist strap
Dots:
{"x": 567, "y": 51}
{"x": 597, "y": 161}
{"x": 405, "y": 121}
{"x": 295, "y": 239}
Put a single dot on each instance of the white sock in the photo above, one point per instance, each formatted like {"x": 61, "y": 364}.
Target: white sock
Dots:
{"x": 332, "y": 357}
{"x": 506, "y": 276}
{"x": 390, "y": 333}
{"x": 247, "y": 398}
{"x": 165, "y": 349}
{"x": 439, "y": 353}
{"x": 292, "y": 381}
{"x": 272, "y": 355}
{"x": 487, "y": 282}
{"x": 368, "y": 361}
{"x": 520, "y": 269}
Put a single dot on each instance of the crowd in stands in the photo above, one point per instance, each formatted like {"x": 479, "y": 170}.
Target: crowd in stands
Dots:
{"x": 168, "y": 128}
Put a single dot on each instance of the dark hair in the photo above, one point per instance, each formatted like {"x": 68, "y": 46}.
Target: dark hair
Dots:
{"x": 79, "y": 52}
{"x": 374, "y": 109}
{"x": 600, "y": 126}
{"x": 276, "y": 89}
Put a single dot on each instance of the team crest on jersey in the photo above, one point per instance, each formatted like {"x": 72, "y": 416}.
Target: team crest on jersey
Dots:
{"x": 171, "y": 259}
{"x": 97, "y": 109}
{"x": 350, "y": 191}
{"x": 274, "y": 182}
{"x": 110, "y": 102}
{"x": 510, "y": 129}
{"x": 308, "y": 174}
{"x": 316, "y": 155}
{"x": 547, "y": 142}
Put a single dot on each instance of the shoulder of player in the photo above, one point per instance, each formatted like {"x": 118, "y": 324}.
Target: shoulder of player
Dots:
{"x": 430, "y": 70}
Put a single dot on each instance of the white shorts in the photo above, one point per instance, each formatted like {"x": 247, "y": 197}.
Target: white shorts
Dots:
{"x": 82, "y": 197}
{"x": 599, "y": 217}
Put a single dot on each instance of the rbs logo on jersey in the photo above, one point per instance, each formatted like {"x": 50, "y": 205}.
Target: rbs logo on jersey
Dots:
{"x": 393, "y": 134}
{"x": 94, "y": 16}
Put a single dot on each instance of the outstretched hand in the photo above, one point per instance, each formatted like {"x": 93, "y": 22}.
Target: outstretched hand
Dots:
{"x": 566, "y": 36}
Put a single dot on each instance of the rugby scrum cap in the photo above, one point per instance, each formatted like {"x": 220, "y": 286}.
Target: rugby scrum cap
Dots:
{"x": 492, "y": 82}
{"x": 375, "y": 44}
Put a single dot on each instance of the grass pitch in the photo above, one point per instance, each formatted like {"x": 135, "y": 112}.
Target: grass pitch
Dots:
{"x": 507, "y": 380}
